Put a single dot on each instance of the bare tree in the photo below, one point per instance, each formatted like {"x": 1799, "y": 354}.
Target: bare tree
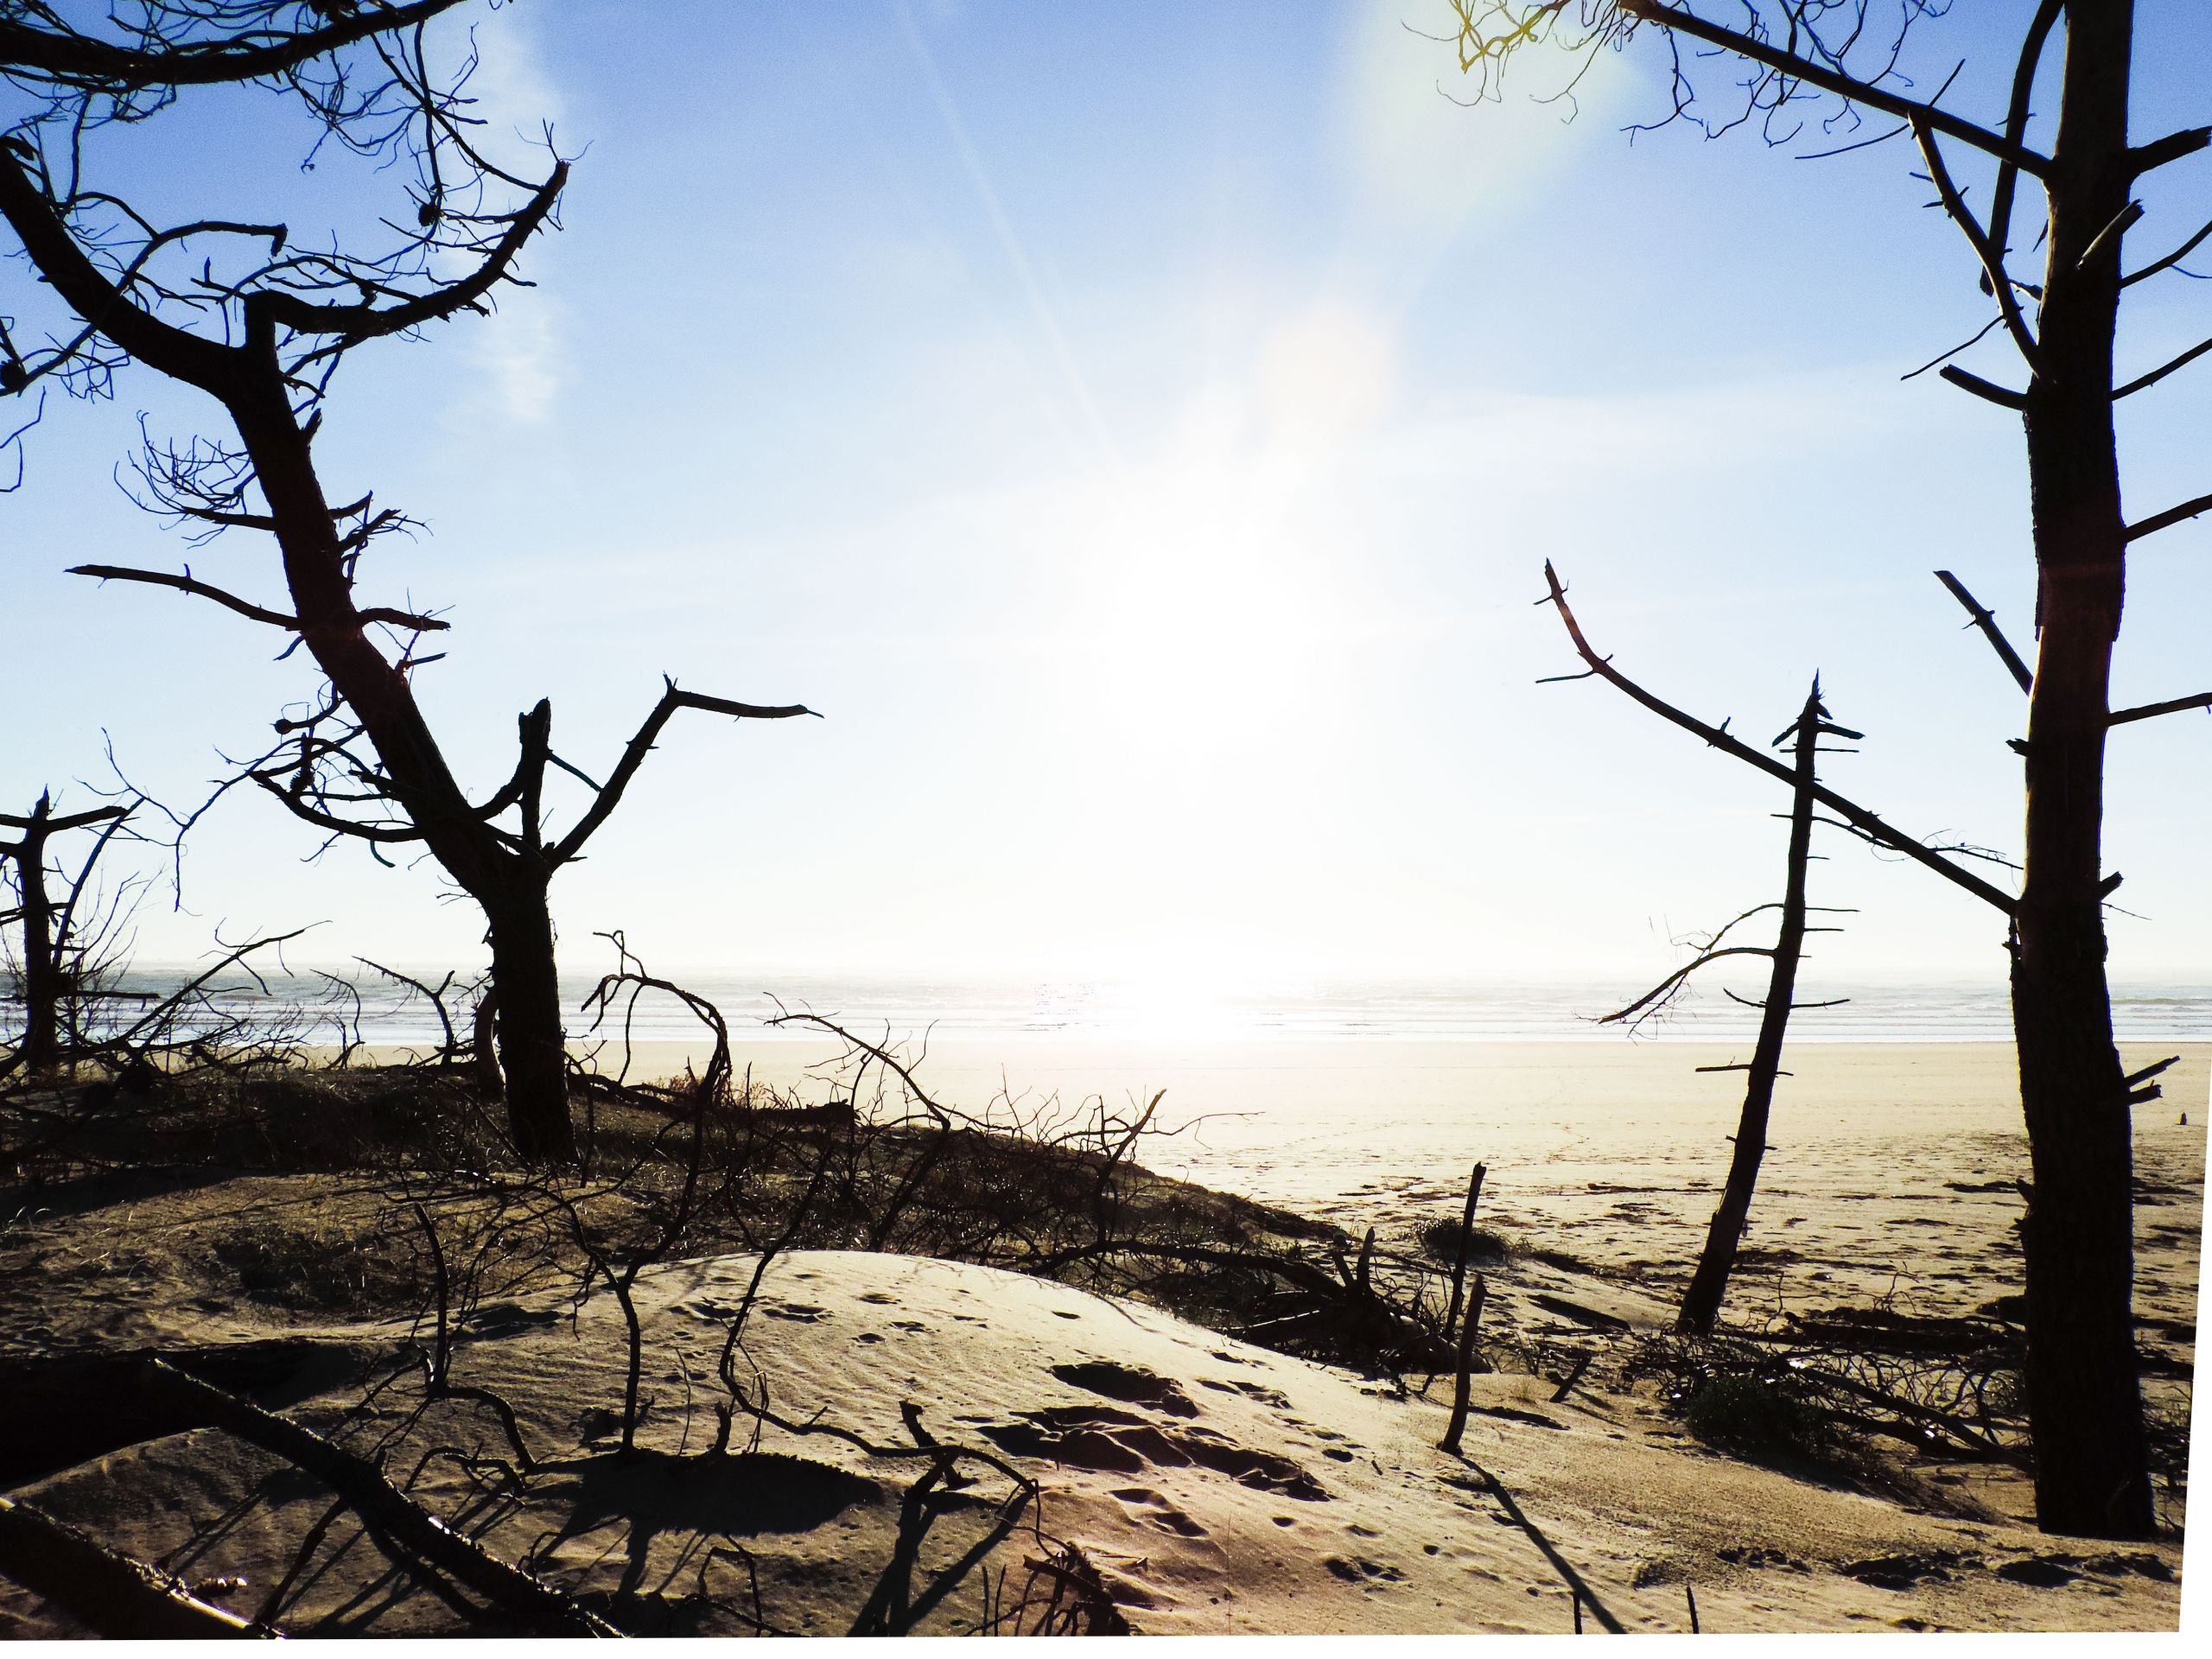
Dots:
{"x": 1709, "y": 1283}
{"x": 249, "y": 316}
{"x": 47, "y": 932}
{"x": 1786, "y": 60}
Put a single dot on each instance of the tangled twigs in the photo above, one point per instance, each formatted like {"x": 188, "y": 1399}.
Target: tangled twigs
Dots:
{"x": 1065, "y": 1596}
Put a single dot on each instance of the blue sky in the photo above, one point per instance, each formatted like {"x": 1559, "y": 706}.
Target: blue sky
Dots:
{"x": 1140, "y": 430}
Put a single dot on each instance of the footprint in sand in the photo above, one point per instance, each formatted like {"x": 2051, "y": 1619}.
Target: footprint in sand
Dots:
{"x": 1132, "y": 1383}
{"x": 1101, "y": 1437}
{"x": 1265, "y": 1395}
{"x": 1354, "y": 1571}
{"x": 1156, "y": 1510}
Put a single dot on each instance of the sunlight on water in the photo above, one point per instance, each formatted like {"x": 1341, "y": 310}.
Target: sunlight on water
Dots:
{"x": 1168, "y": 1008}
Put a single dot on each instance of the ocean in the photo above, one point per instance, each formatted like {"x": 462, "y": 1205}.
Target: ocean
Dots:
{"x": 1108, "y": 1011}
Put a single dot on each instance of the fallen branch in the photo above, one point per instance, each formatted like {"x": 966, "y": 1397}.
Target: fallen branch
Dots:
{"x": 537, "y": 1605}
{"x": 114, "y": 1595}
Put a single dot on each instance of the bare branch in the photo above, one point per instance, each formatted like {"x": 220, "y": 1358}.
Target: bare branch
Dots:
{"x": 1986, "y": 619}
{"x": 2016, "y": 119}
{"x": 74, "y": 821}
{"x": 2169, "y": 518}
{"x": 1663, "y": 991}
{"x": 298, "y": 809}
{"x": 633, "y": 756}
{"x": 62, "y": 54}
{"x": 1991, "y": 255}
{"x": 1965, "y": 380}
{"x": 2169, "y": 260}
{"x": 97, "y": 300}
{"x": 2159, "y": 374}
{"x": 2152, "y": 711}
{"x": 1866, "y": 823}
{"x": 366, "y": 321}
{"x": 187, "y": 583}
{"x": 1832, "y": 81}
{"x": 2160, "y": 152}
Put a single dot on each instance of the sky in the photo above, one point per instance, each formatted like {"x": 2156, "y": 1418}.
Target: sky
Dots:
{"x": 1138, "y": 430}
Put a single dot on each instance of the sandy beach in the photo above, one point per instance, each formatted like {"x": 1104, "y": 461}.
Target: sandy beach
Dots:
{"x": 1612, "y": 1150}
{"x": 1212, "y": 1485}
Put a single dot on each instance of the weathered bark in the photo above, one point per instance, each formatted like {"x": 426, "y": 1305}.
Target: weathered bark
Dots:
{"x": 2085, "y": 1405}
{"x": 1701, "y": 1303}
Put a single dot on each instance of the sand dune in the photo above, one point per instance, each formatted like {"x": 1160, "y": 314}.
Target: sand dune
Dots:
{"x": 1216, "y": 1486}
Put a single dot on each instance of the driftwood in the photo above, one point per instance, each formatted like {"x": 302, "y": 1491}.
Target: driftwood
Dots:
{"x": 530, "y": 1602}
{"x": 115, "y": 1595}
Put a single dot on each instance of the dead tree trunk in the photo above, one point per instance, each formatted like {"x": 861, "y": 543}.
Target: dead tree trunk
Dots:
{"x": 45, "y": 976}
{"x": 41, "y": 1049}
{"x": 2084, "y": 1402}
{"x": 533, "y": 1045}
{"x": 1701, "y": 1303}
{"x": 366, "y": 746}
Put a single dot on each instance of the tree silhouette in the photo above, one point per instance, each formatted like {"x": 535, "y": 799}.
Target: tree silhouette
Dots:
{"x": 1725, "y": 1234}
{"x": 259, "y": 322}
{"x": 48, "y": 934}
{"x": 1784, "y": 60}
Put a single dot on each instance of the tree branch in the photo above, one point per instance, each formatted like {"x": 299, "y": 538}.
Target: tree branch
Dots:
{"x": 2159, "y": 374}
{"x": 74, "y": 821}
{"x": 1991, "y": 255}
{"x": 366, "y": 321}
{"x": 300, "y": 809}
{"x": 1665, "y": 988}
{"x": 2016, "y": 119}
{"x": 2169, "y": 518}
{"x": 2148, "y": 158}
{"x": 2150, "y": 710}
{"x": 2172, "y": 260}
{"x": 187, "y": 583}
{"x": 1831, "y": 80}
{"x": 633, "y": 756}
{"x": 1965, "y": 380}
{"x": 1987, "y": 622}
{"x": 97, "y": 301}
{"x": 80, "y": 61}
{"x": 1874, "y": 828}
